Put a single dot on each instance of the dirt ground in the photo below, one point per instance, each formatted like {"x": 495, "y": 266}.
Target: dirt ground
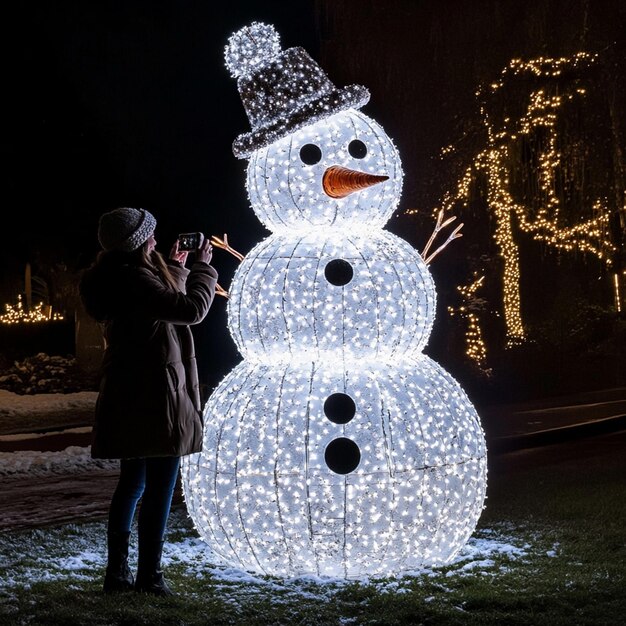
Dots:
{"x": 32, "y": 502}
{"x": 35, "y": 501}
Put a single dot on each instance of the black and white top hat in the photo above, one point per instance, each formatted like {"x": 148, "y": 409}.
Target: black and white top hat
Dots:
{"x": 281, "y": 91}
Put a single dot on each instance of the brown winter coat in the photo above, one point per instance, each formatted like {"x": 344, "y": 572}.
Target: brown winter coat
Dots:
{"x": 149, "y": 400}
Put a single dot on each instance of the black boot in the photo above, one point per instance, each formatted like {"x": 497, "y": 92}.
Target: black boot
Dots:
{"x": 118, "y": 576}
{"x": 149, "y": 575}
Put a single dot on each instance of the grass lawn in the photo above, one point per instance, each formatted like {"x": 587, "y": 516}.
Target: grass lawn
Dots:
{"x": 550, "y": 548}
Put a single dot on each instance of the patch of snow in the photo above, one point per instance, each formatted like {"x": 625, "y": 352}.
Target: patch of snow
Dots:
{"x": 13, "y": 404}
{"x": 76, "y": 553}
{"x": 72, "y": 460}
{"x": 554, "y": 551}
{"x": 477, "y": 546}
{"x": 477, "y": 557}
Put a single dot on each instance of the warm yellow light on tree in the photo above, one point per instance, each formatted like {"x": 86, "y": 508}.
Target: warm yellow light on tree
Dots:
{"x": 544, "y": 222}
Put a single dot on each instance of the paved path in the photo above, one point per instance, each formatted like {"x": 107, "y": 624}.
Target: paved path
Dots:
{"x": 532, "y": 424}
{"x": 47, "y": 442}
{"x": 530, "y": 417}
{"x": 507, "y": 427}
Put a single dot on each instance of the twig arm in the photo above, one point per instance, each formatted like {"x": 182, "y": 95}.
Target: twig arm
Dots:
{"x": 220, "y": 291}
{"x": 440, "y": 225}
{"x": 455, "y": 234}
{"x": 223, "y": 243}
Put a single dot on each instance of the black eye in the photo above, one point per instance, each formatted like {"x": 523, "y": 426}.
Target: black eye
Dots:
{"x": 310, "y": 154}
{"x": 357, "y": 149}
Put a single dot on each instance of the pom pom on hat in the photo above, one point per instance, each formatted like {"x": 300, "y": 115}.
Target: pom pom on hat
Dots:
{"x": 251, "y": 47}
{"x": 125, "y": 229}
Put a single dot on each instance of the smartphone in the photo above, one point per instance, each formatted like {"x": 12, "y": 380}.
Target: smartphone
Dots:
{"x": 189, "y": 241}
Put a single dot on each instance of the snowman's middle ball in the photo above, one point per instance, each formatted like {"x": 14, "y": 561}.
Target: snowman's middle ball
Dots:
{"x": 330, "y": 297}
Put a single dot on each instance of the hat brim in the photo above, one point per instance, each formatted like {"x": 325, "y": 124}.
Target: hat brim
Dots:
{"x": 337, "y": 100}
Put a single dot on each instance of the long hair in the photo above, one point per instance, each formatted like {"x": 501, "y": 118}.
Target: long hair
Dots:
{"x": 154, "y": 261}
{"x": 157, "y": 262}
{"x": 98, "y": 286}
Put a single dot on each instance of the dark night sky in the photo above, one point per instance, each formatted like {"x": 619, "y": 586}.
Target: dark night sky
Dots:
{"x": 125, "y": 103}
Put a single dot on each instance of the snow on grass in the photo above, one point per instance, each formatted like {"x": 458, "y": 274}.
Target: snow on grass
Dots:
{"x": 16, "y": 405}
{"x": 77, "y": 553}
{"x": 72, "y": 460}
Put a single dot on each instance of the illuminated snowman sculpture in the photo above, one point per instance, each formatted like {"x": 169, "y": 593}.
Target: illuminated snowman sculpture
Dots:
{"x": 336, "y": 447}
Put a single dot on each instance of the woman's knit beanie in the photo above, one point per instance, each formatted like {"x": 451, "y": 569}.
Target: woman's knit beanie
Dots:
{"x": 125, "y": 229}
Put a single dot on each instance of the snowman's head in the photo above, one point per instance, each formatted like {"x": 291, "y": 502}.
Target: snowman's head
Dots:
{"x": 343, "y": 171}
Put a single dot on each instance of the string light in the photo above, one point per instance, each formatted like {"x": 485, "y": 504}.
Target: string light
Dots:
{"x": 544, "y": 223}
{"x": 618, "y": 295}
{"x": 19, "y": 315}
{"x": 475, "y": 349}
{"x": 336, "y": 447}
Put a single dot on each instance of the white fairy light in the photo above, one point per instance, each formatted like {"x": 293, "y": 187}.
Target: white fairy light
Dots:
{"x": 250, "y": 48}
{"x": 336, "y": 447}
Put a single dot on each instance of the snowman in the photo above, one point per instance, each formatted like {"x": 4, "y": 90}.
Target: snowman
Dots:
{"x": 336, "y": 447}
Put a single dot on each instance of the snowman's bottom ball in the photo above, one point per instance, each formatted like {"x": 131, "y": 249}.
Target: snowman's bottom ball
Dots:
{"x": 339, "y": 472}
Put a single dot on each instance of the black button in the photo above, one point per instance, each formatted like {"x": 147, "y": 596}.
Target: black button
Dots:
{"x": 339, "y": 408}
{"x": 342, "y": 455}
{"x": 338, "y": 272}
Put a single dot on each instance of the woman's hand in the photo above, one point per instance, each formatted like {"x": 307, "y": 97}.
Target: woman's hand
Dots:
{"x": 178, "y": 255}
{"x": 205, "y": 251}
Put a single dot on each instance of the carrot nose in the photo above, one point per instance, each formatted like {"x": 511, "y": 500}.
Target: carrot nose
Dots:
{"x": 339, "y": 182}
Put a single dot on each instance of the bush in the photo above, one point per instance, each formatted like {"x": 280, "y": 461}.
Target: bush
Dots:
{"x": 46, "y": 374}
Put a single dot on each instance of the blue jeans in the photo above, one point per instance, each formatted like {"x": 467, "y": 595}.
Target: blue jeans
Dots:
{"x": 153, "y": 481}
